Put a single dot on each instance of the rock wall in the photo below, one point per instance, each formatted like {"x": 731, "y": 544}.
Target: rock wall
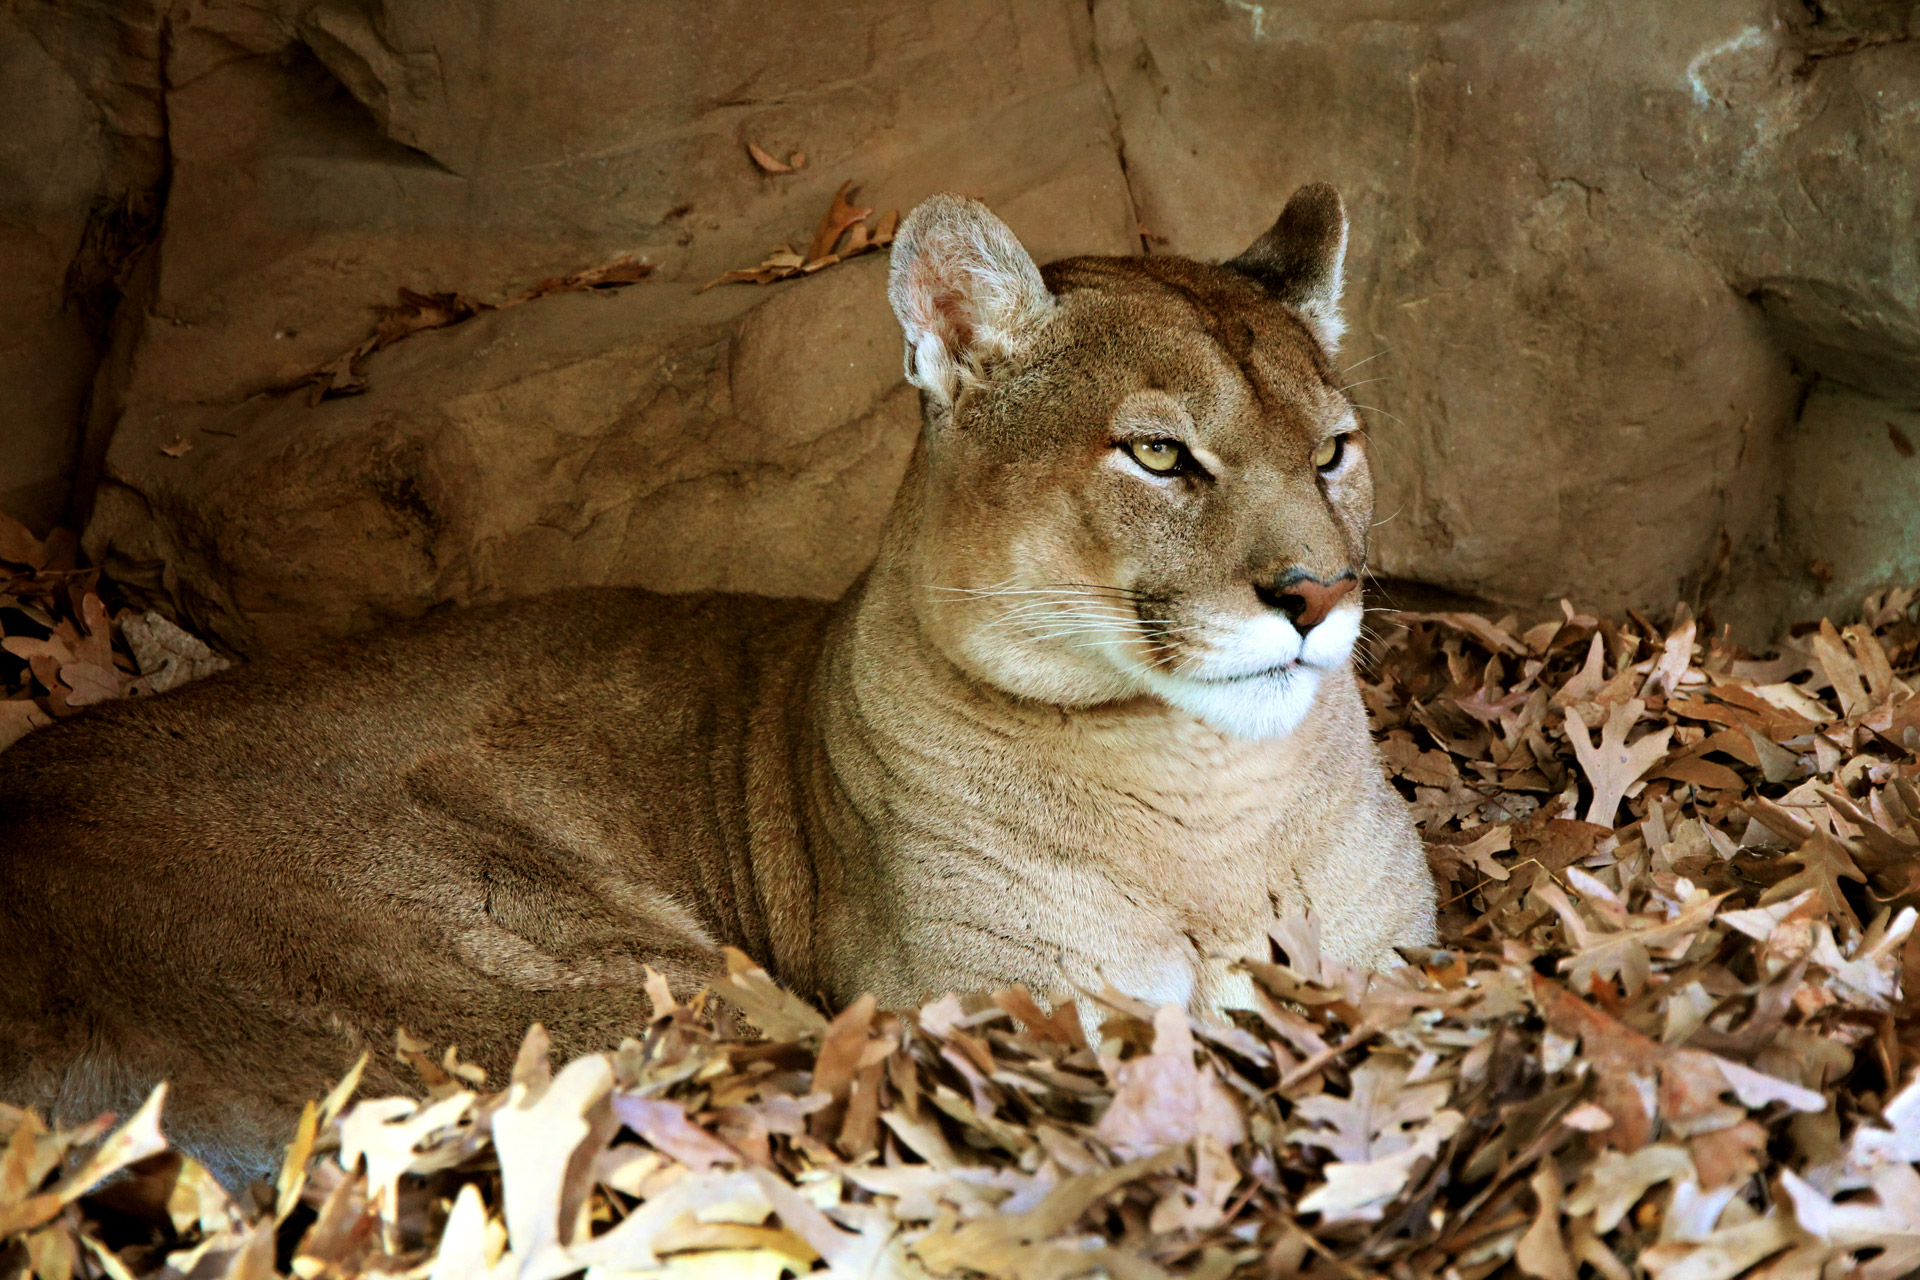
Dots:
{"x": 1634, "y": 284}
{"x": 1602, "y": 253}
{"x": 82, "y": 177}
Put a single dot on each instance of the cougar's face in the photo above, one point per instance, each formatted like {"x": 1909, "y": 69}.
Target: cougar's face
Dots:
{"x": 1139, "y": 477}
{"x": 1165, "y": 494}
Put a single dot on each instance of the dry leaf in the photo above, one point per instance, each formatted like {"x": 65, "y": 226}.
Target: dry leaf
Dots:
{"x": 772, "y": 1010}
{"x": 1542, "y": 1252}
{"x": 417, "y": 312}
{"x": 18, "y": 718}
{"x": 825, "y": 249}
{"x": 1163, "y": 1098}
{"x": 1362, "y": 1192}
{"x": 168, "y": 656}
{"x": 769, "y": 165}
{"x": 839, "y": 217}
{"x": 1611, "y": 765}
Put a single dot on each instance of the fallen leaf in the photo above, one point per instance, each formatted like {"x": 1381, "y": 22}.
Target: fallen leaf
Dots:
{"x": 166, "y": 654}
{"x": 1612, "y": 766}
{"x": 840, "y": 216}
{"x": 1614, "y": 1183}
{"x": 769, "y": 165}
{"x": 1361, "y": 1192}
{"x": 1162, "y": 1098}
{"x": 778, "y": 1014}
{"x": 18, "y": 718}
{"x": 1542, "y": 1251}
{"x": 665, "y": 1126}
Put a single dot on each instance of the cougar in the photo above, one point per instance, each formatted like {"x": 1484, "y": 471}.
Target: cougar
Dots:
{"x": 1088, "y": 718}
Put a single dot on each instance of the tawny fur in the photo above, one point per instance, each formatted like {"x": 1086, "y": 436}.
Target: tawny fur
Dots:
{"x": 974, "y": 769}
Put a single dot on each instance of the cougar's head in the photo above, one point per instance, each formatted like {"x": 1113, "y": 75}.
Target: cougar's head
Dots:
{"x": 1140, "y": 477}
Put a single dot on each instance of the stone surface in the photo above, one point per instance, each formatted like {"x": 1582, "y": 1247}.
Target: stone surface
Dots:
{"x": 50, "y": 169}
{"x": 649, "y": 437}
{"x": 744, "y": 438}
{"x": 1635, "y": 287}
{"x": 1851, "y": 502}
{"x": 82, "y": 162}
{"x": 1600, "y": 250}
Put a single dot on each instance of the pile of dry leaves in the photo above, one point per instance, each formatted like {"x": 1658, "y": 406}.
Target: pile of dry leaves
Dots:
{"x": 62, "y": 650}
{"x": 1668, "y": 1036}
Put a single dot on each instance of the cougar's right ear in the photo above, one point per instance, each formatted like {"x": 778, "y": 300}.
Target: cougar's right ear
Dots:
{"x": 1301, "y": 260}
{"x": 964, "y": 290}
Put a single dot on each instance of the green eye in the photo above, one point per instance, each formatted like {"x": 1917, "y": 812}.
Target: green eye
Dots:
{"x": 1329, "y": 451}
{"x": 1157, "y": 456}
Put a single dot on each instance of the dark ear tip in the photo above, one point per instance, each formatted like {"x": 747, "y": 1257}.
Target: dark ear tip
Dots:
{"x": 1300, "y": 258}
{"x": 1316, "y": 202}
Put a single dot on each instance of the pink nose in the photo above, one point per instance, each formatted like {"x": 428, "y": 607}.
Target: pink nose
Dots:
{"x": 1306, "y": 601}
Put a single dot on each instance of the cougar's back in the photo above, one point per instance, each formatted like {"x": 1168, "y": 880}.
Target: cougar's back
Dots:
{"x": 462, "y": 827}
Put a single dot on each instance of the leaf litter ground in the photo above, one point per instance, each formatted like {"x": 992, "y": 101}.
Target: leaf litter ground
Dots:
{"x": 1672, "y": 1033}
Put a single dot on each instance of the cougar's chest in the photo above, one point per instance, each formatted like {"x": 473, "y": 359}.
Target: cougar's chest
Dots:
{"x": 1160, "y": 887}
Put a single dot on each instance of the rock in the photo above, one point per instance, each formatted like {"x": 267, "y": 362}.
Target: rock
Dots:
{"x": 1631, "y": 284}
{"x": 745, "y": 439}
{"x": 1598, "y": 252}
{"x": 49, "y": 173}
{"x": 80, "y": 165}
{"x": 650, "y": 437}
{"x": 1850, "y": 512}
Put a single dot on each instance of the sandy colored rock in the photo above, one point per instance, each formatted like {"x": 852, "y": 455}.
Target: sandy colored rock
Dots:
{"x": 1851, "y": 508}
{"x": 49, "y": 172}
{"x": 744, "y": 439}
{"x": 645, "y": 437}
{"x": 1636, "y": 279}
{"x": 1598, "y": 251}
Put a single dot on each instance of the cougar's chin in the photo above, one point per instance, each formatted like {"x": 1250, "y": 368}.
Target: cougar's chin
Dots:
{"x": 1260, "y": 682}
{"x": 1267, "y": 704}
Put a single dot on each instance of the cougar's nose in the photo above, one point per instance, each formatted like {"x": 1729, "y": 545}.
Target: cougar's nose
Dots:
{"x": 1304, "y": 598}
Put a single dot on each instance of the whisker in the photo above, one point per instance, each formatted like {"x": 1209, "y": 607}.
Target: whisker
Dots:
{"x": 1037, "y": 607}
{"x": 1036, "y": 630}
{"x": 1396, "y": 511}
{"x": 1098, "y": 586}
{"x": 1371, "y": 409}
{"x": 1148, "y": 639}
{"x": 1089, "y": 623}
{"x": 1375, "y": 356}
{"x": 990, "y": 592}
{"x": 1033, "y": 613}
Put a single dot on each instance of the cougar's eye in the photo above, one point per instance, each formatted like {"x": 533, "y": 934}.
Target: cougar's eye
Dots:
{"x": 1327, "y": 455}
{"x": 1157, "y": 456}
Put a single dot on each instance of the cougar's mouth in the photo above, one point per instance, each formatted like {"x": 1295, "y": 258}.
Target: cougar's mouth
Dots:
{"x": 1278, "y": 669}
{"x": 1256, "y": 647}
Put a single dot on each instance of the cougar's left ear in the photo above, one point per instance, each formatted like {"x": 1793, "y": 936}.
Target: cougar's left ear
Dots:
{"x": 1301, "y": 260}
{"x": 964, "y": 290}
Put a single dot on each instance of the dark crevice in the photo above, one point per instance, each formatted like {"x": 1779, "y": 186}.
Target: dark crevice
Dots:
{"x": 1841, "y": 28}
{"x": 122, "y": 233}
{"x": 1140, "y": 231}
{"x": 119, "y": 230}
{"x": 342, "y": 117}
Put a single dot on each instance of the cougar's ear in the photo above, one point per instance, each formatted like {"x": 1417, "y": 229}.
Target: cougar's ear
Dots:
{"x": 1302, "y": 258}
{"x": 965, "y": 292}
